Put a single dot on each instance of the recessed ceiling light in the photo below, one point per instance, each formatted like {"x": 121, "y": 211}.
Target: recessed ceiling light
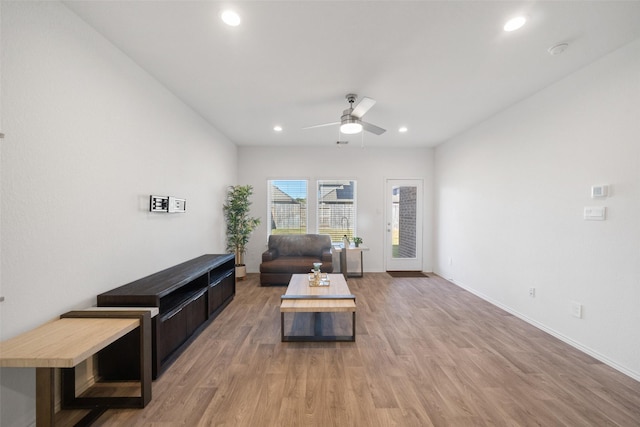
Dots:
{"x": 403, "y": 129}
{"x": 515, "y": 23}
{"x": 277, "y": 128}
{"x": 230, "y": 18}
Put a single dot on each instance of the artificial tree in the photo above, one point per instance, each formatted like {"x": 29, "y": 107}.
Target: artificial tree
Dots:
{"x": 239, "y": 223}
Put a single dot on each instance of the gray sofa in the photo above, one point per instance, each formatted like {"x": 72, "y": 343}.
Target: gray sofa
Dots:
{"x": 289, "y": 254}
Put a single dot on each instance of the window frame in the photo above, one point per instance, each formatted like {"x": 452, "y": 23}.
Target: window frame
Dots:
{"x": 351, "y": 230}
{"x": 302, "y": 219}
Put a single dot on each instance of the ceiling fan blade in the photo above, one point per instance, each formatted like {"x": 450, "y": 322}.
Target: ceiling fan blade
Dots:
{"x": 372, "y": 128}
{"x": 363, "y": 106}
{"x": 322, "y": 125}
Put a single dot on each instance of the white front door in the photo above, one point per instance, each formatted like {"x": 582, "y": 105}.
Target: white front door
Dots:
{"x": 403, "y": 221}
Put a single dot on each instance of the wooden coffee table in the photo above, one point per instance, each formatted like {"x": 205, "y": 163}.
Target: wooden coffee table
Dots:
{"x": 302, "y": 298}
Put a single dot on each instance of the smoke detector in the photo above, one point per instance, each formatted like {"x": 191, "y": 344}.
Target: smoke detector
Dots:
{"x": 558, "y": 49}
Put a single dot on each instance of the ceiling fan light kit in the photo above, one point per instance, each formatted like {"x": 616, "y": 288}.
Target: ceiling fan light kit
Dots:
{"x": 350, "y": 122}
{"x": 350, "y": 126}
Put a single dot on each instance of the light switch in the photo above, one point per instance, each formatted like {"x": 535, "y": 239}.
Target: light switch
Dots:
{"x": 177, "y": 205}
{"x": 158, "y": 203}
{"x": 595, "y": 213}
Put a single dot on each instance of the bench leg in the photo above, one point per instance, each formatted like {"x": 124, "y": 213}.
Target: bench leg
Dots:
{"x": 45, "y": 391}
{"x": 69, "y": 399}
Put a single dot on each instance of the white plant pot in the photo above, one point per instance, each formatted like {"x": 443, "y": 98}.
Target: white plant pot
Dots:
{"x": 241, "y": 272}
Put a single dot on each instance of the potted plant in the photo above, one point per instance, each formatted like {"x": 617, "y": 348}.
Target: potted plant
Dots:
{"x": 239, "y": 224}
{"x": 357, "y": 241}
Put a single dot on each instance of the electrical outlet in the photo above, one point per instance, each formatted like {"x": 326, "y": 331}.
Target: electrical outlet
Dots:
{"x": 532, "y": 292}
{"x": 450, "y": 261}
{"x": 576, "y": 309}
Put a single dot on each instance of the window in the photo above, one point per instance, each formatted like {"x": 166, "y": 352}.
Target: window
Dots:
{"x": 287, "y": 206}
{"x": 337, "y": 208}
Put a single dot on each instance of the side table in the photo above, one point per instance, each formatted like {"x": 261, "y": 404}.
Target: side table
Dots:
{"x": 343, "y": 259}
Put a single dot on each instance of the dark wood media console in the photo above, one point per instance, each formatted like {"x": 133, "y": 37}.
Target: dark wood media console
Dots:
{"x": 188, "y": 295}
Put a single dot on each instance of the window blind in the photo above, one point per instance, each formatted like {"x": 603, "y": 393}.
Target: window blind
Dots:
{"x": 287, "y": 207}
{"x": 337, "y": 208}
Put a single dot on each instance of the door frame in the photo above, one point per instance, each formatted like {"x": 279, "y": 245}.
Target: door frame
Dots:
{"x": 403, "y": 264}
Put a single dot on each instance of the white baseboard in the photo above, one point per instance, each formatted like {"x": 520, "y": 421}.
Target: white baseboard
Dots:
{"x": 593, "y": 353}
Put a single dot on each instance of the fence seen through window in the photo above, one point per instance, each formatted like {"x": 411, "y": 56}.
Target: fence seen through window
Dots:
{"x": 287, "y": 206}
{"x": 337, "y": 208}
{"x": 335, "y": 213}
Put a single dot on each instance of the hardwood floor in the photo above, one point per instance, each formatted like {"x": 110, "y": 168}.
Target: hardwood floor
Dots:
{"x": 427, "y": 353}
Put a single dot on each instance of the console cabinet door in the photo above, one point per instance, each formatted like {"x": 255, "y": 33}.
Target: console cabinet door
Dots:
{"x": 172, "y": 331}
{"x": 228, "y": 287}
{"x": 215, "y": 296}
{"x": 196, "y": 313}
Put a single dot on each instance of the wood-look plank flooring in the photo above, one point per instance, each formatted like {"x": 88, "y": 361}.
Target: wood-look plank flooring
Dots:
{"x": 427, "y": 353}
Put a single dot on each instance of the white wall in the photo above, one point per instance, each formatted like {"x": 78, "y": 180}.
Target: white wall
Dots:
{"x": 89, "y": 136}
{"x": 370, "y": 167}
{"x": 509, "y": 208}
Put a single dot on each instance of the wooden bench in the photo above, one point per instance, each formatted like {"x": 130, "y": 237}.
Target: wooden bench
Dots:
{"x": 302, "y": 298}
{"x": 65, "y": 343}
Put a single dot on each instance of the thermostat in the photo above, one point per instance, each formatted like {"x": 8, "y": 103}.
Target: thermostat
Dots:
{"x": 599, "y": 191}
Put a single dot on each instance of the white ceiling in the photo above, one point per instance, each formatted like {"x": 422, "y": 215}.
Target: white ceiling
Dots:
{"x": 437, "y": 67}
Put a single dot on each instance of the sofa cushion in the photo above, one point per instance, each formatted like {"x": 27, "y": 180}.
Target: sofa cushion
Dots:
{"x": 296, "y": 245}
{"x": 286, "y": 264}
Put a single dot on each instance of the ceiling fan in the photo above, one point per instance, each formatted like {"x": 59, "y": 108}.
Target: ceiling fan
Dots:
{"x": 350, "y": 122}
